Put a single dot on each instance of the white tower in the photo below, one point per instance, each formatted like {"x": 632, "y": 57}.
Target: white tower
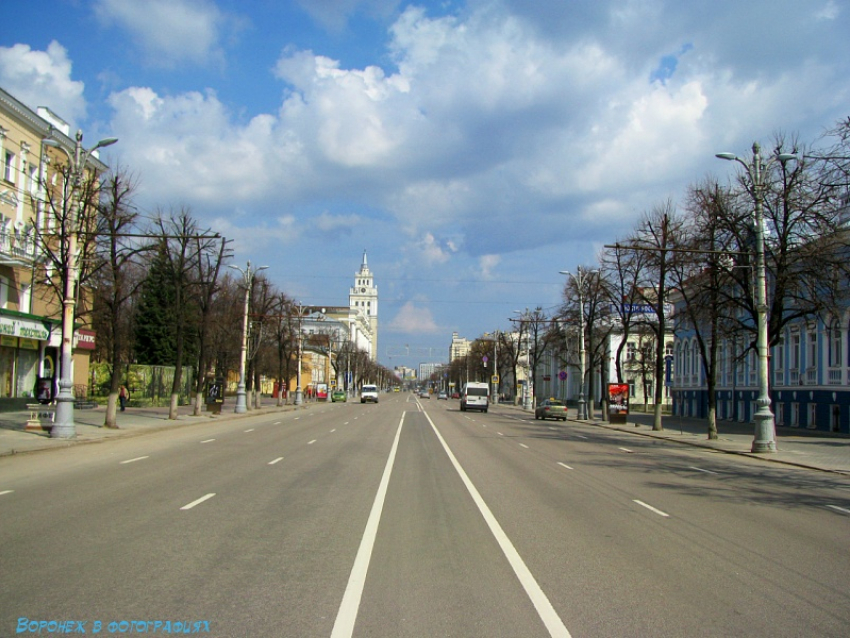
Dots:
{"x": 363, "y": 298}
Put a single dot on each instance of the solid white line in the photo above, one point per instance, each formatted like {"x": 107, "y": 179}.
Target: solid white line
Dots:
{"x": 651, "y": 509}
{"x": 541, "y": 603}
{"x": 198, "y": 502}
{"x": 138, "y": 458}
{"x": 625, "y": 449}
{"x": 835, "y": 507}
{"x": 208, "y": 441}
{"x": 6, "y": 492}
{"x": 313, "y": 441}
{"x": 564, "y": 465}
{"x": 348, "y": 608}
{"x": 251, "y": 430}
{"x": 699, "y": 469}
{"x": 277, "y": 460}
{"x": 523, "y": 445}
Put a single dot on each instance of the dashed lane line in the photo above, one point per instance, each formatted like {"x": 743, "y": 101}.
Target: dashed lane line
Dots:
{"x": 208, "y": 441}
{"x": 198, "y": 501}
{"x": 277, "y": 460}
{"x": 564, "y": 465}
{"x": 651, "y": 509}
{"x": 138, "y": 458}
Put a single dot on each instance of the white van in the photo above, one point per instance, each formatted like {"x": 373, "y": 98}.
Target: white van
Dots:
{"x": 476, "y": 396}
{"x": 369, "y": 393}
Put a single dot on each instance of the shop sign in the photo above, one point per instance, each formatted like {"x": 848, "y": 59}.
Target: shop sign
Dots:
{"x": 8, "y": 342}
{"x": 28, "y": 344}
{"x": 14, "y": 327}
{"x": 84, "y": 339}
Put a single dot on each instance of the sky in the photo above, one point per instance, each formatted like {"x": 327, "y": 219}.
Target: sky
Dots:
{"x": 473, "y": 149}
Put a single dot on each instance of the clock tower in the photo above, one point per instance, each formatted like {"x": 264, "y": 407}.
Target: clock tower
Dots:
{"x": 363, "y": 299}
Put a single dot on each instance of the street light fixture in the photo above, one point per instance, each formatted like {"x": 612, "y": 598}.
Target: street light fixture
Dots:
{"x": 581, "y": 280}
{"x": 299, "y": 395}
{"x": 764, "y": 439}
{"x": 241, "y": 392}
{"x": 64, "y": 426}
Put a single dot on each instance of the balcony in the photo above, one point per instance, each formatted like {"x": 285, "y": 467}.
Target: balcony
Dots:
{"x": 17, "y": 248}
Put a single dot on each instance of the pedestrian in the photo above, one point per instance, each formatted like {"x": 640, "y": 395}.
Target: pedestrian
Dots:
{"x": 123, "y": 397}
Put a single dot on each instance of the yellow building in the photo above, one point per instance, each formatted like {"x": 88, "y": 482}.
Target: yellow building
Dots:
{"x": 33, "y": 196}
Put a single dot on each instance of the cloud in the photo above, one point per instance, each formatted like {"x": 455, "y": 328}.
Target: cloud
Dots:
{"x": 334, "y": 14}
{"x": 169, "y": 32}
{"x": 42, "y": 78}
{"x": 415, "y": 320}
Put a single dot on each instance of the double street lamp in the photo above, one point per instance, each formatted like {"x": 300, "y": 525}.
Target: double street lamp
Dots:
{"x": 241, "y": 393}
{"x": 64, "y": 426}
{"x": 580, "y": 280}
{"x": 764, "y": 439}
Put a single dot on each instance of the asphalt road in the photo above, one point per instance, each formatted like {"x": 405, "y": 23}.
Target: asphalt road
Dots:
{"x": 411, "y": 518}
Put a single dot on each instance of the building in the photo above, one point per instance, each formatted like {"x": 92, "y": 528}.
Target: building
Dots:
{"x": 363, "y": 300}
{"x": 459, "y": 347}
{"x": 32, "y": 196}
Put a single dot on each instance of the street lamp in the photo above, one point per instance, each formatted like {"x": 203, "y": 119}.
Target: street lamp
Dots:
{"x": 63, "y": 425}
{"x": 764, "y": 439}
{"x": 241, "y": 393}
{"x": 580, "y": 281}
{"x": 528, "y": 399}
{"x": 299, "y": 397}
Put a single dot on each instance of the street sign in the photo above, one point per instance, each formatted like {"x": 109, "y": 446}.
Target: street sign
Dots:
{"x": 494, "y": 378}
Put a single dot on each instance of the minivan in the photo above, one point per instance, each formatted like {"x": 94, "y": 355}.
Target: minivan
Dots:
{"x": 476, "y": 396}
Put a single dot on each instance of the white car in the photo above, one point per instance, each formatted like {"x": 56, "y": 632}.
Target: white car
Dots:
{"x": 369, "y": 393}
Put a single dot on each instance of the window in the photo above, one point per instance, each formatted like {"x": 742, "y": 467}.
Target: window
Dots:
{"x": 835, "y": 343}
{"x": 812, "y": 351}
{"x": 631, "y": 351}
{"x": 9, "y": 167}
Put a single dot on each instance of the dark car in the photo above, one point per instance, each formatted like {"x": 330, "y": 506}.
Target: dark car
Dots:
{"x": 551, "y": 409}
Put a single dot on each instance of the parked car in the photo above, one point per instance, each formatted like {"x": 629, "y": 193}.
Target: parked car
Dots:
{"x": 443, "y": 395}
{"x": 551, "y": 409}
{"x": 338, "y": 395}
{"x": 455, "y": 395}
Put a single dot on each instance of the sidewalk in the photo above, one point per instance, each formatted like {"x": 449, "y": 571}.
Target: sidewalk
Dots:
{"x": 16, "y": 439}
{"x": 797, "y": 447}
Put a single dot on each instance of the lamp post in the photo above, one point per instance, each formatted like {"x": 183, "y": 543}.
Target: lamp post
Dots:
{"x": 299, "y": 397}
{"x": 764, "y": 439}
{"x": 64, "y": 426}
{"x": 241, "y": 394}
{"x": 580, "y": 279}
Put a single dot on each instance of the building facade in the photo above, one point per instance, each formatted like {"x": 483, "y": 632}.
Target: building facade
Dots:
{"x": 30, "y": 310}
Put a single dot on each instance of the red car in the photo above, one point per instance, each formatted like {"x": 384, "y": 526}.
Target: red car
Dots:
{"x": 455, "y": 395}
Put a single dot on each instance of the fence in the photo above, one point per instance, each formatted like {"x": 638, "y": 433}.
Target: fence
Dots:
{"x": 148, "y": 385}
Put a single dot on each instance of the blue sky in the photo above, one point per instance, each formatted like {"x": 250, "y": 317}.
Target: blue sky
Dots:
{"x": 474, "y": 149}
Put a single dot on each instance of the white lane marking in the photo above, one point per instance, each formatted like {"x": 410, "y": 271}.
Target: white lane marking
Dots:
{"x": 198, "y": 502}
{"x": 346, "y": 423}
{"x": 6, "y": 492}
{"x": 553, "y": 429}
{"x": 541, "y": 603}
{"x": 348, "y": 608}
{"x": 625, "y": 449}
{"x": 251, "y": 430}
{"x": 297, "y": 418}
{"x": 277, "y": 422}
{"x": 334, "y": 430}
{"x": 500, "y": 434}
{"x": 313, "y": 441}
{"x": 208, "y": 441}
{"x": 652, "y": 509}
{"x": 138, "y": 458}
{"x": 835, "y": 507}
{"x": 580, "y": 436}
{"x": 699, "y": 469}
{"x": 564, "y": 465}
{"x": 523, "y": 445}
{"x": 277, "y": 460}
